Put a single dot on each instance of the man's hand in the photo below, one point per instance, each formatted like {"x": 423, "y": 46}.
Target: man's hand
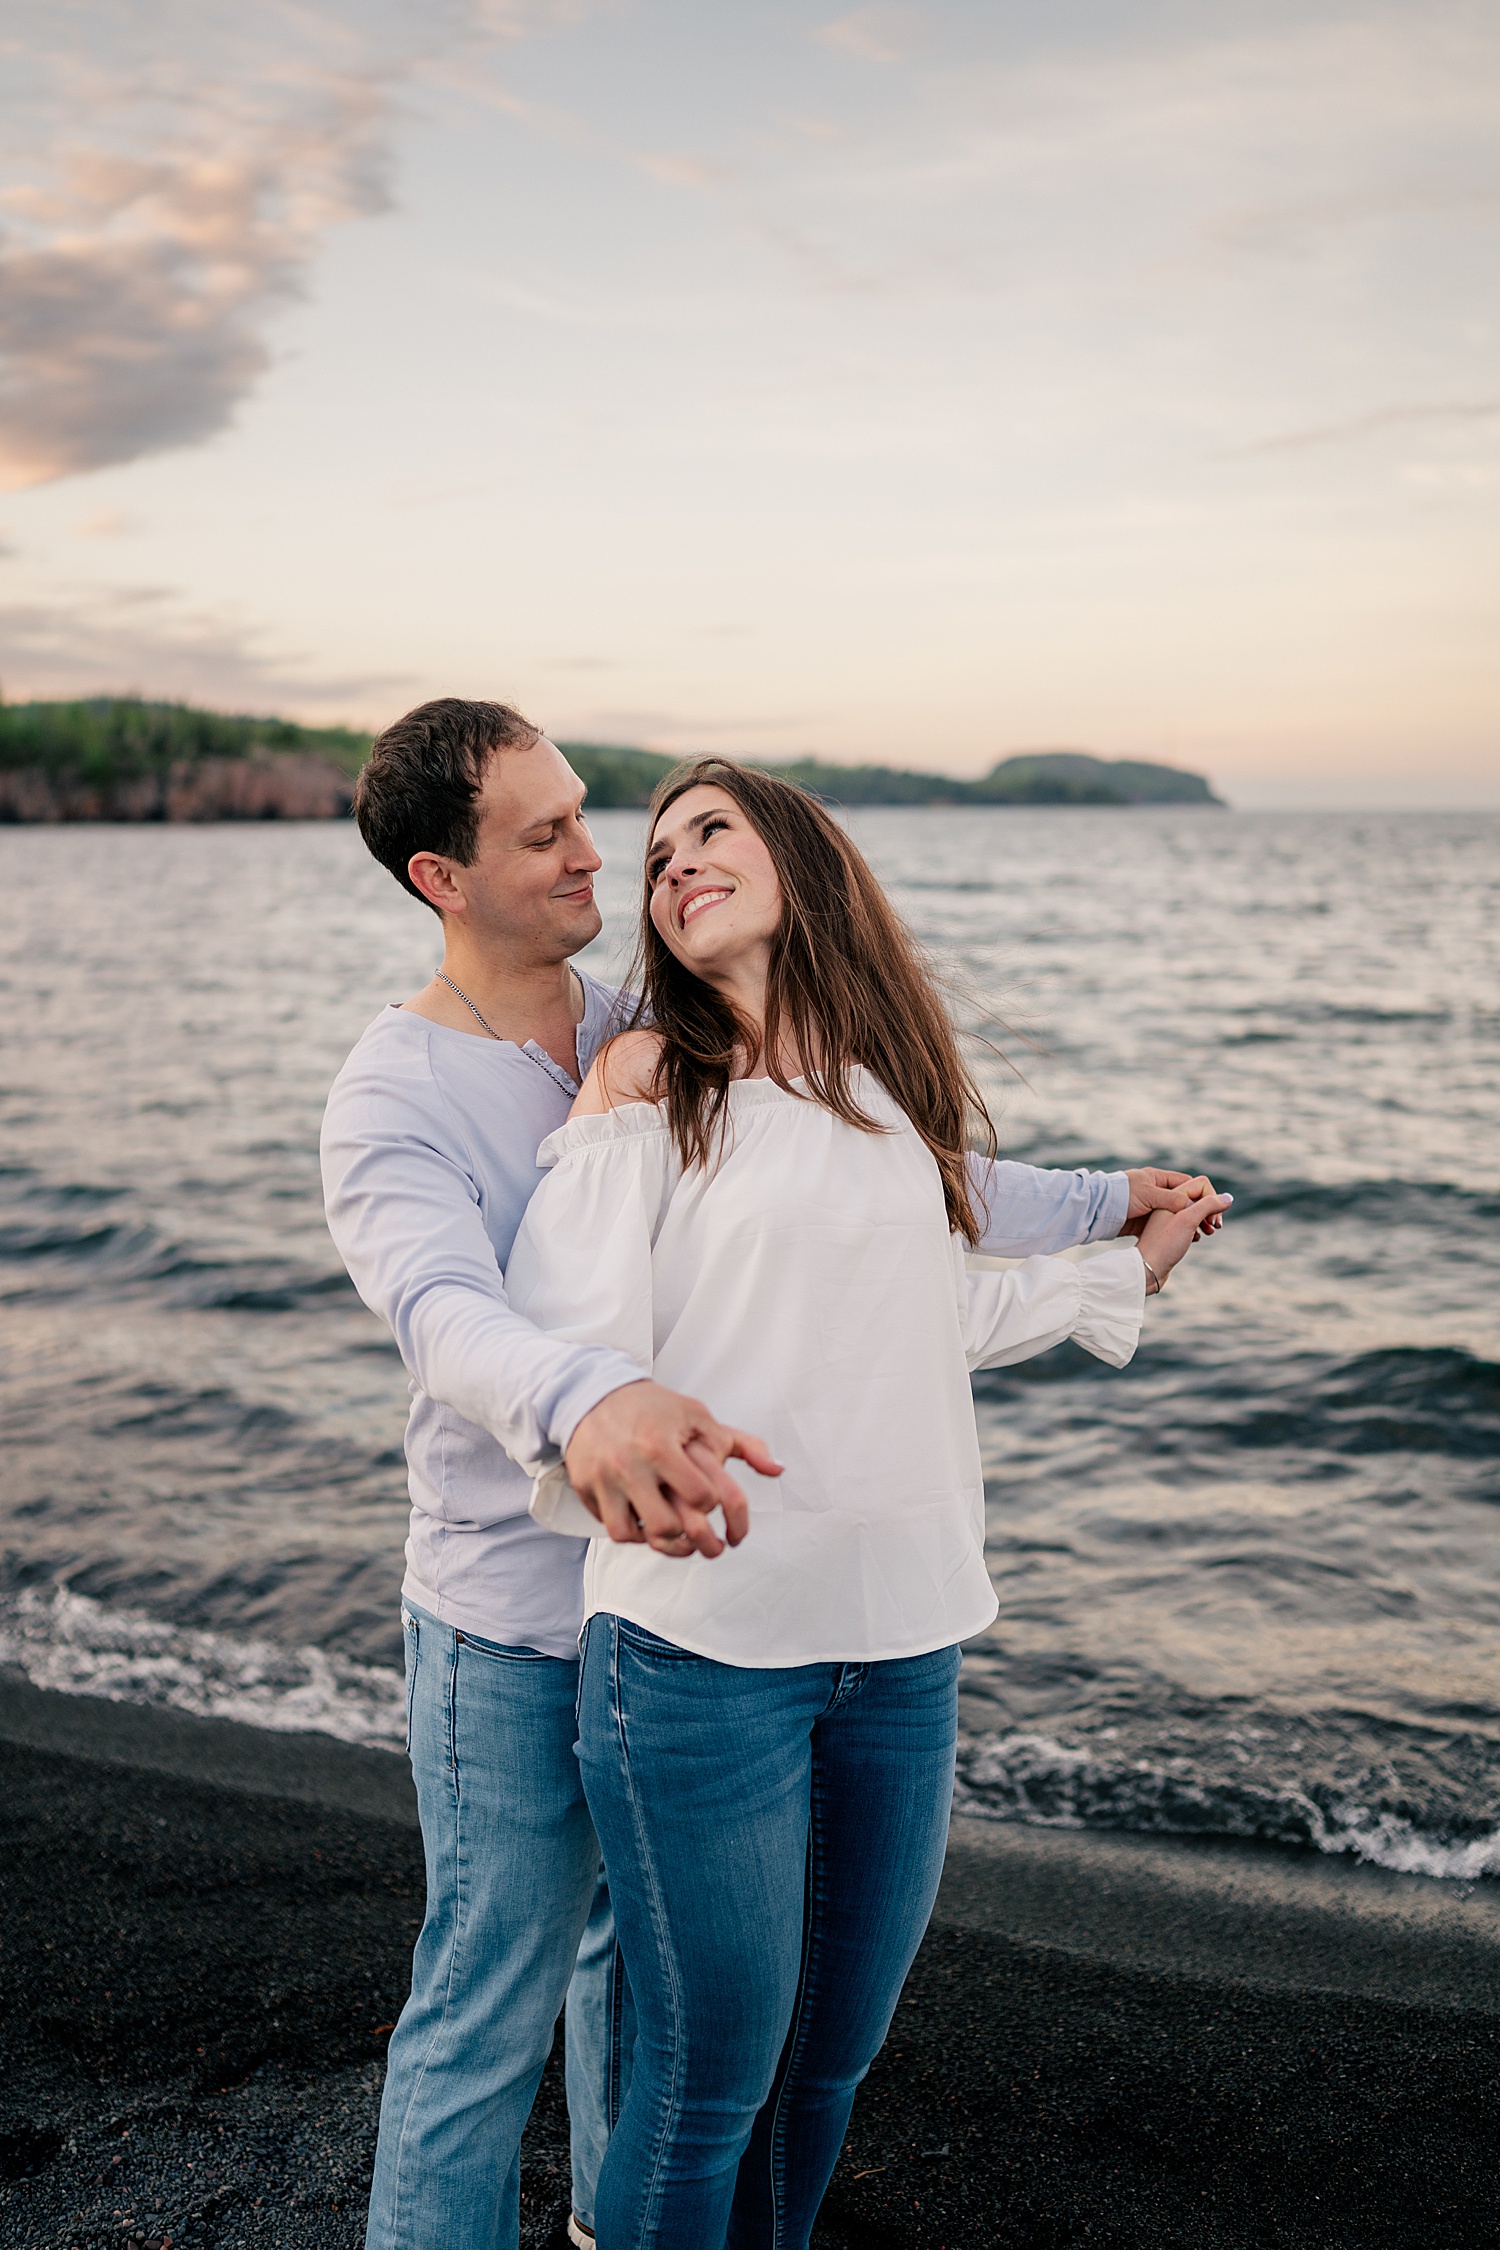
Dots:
{"x": 1151, "y": 1190}
{"x": 650, "y": 1465}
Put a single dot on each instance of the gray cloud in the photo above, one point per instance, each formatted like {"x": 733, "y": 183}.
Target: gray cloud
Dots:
{"x": 165, "y": 191}
{"x": 109, "y": 641}
{"x": 134, "y": 285}
{"x": 1293, "y": 227}
{"x": 877, "y": 35}
{"x": 1358, "y": 426}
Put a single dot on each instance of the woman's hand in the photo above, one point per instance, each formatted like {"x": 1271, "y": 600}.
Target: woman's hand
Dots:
{"x": 1155, "y": 1190}
{"x": 1167, "y": 1236}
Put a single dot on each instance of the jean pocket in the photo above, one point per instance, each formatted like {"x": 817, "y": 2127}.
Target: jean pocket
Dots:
{"x": 503, "y": 1653}
{"x": 645, "y": 1643}
{"x": 412, "y": 1634}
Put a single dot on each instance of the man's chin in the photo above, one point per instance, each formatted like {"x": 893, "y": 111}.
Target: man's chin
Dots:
{"x": 582, "y": 927}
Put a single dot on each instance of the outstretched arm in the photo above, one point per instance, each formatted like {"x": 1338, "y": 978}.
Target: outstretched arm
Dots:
{"x": 1097, "y": 1301}
{"x": 1031, "y": 1212}
{"x": 1017, "y": 1315}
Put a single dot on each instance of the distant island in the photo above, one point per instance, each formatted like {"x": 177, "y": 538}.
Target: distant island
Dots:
{"x": 619, "y": 776}
{"x": 121, "y": 758}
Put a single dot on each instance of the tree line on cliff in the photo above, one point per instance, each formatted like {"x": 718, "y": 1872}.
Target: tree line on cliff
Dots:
{"x": 123, "y": 758}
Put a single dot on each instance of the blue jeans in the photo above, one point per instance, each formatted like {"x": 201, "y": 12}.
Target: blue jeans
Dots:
{"x": 774, "y": 1841}
{"x": 514, "y": 1899}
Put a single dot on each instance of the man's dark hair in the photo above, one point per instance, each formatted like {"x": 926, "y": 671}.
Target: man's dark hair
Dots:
{"x": 420, "y": 787}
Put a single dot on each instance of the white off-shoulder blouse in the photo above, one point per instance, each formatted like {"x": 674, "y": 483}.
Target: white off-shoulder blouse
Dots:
{"x": 806, "y": 1287}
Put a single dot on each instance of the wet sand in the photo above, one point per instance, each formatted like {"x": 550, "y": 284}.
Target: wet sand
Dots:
{"x": 1107, "y": 2040}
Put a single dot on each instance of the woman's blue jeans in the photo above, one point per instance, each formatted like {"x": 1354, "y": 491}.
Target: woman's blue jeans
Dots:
{"x": 774, "y": 1841}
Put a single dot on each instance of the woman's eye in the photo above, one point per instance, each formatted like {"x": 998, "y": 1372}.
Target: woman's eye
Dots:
{"x": 712, "y": 828}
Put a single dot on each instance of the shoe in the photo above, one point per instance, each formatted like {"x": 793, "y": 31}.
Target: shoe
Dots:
{"x": 579, "y": 2234}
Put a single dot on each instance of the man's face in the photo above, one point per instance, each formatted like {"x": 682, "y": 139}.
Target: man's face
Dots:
{"x": 530, "y": 885}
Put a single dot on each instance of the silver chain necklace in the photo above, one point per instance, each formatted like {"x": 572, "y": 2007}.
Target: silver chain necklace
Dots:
{"x": 468, "y": 1003}
{"x": 443, "y": 978}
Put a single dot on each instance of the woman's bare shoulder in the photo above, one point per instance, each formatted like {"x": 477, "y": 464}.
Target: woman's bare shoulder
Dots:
{"x": 622, "y": 1072}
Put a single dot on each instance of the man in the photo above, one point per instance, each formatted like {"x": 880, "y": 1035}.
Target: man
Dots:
{"x": 429, "y": 1157}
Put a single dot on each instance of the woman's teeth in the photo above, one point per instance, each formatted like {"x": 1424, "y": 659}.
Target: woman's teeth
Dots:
{"x": 703, "y": 898}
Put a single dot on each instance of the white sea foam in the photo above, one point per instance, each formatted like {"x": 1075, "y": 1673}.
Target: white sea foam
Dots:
{"x": 77, "y": 1646}
{"x": 1047, "y": 1784}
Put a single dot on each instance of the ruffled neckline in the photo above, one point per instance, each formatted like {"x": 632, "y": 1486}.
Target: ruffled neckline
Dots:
{"x": 642, "y": 1120}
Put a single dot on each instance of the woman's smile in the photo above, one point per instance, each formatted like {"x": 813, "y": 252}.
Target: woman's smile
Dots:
{"x": 695, "y": 902}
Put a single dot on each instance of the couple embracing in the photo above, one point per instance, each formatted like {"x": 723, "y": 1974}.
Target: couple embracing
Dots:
{"x": 681, "y": 1280}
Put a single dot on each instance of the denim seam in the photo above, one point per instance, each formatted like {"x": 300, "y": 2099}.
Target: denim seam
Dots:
{"x": 652, "y": 2202}
{"x": 799, "y": 2019}
{"x": 616, "y": 2035}
{"x": 453, "y": 1957}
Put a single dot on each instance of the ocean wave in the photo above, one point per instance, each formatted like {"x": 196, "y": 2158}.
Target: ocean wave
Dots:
{"x": 77, "y": 1646}
{"x": 1443, "y": 1204}
{"x": 63, "y": 1244}
{"x": 1032, "y": 1779}
{"x": 1438, "y": 1400}
{"x": 1401, "y": 1400}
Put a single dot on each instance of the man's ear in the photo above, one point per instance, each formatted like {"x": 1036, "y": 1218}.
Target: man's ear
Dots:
{"x": 433, "y": 877}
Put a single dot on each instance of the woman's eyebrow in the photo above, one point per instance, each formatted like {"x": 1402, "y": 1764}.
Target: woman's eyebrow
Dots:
{"x": 699, "y": 821}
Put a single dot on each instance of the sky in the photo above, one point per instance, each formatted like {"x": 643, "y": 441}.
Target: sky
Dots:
{"x": 912, "y": 384}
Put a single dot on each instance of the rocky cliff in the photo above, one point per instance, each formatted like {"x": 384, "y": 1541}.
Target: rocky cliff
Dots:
{"x": 276, "y": 785}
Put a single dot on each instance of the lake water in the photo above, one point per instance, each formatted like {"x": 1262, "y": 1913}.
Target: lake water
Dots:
{"x": 1250, "y": 1585}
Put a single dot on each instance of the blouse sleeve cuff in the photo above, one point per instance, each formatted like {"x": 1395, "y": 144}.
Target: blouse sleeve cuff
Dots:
{"x": 1112, "y": 1300}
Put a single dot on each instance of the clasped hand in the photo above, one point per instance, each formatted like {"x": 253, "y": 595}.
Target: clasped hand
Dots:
{"x": 650, "y": 1465}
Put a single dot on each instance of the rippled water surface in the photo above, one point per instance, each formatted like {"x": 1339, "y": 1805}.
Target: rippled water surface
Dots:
{"x": 1252, "y": 1584}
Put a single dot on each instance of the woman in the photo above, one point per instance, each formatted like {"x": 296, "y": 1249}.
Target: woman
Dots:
{"x": 765, "y": 1199}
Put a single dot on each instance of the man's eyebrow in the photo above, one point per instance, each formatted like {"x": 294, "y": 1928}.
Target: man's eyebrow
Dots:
{"x": 544, "y": 820}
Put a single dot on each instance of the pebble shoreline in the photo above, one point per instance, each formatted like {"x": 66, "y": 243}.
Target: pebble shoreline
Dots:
{"x": 1105, "y": 2042}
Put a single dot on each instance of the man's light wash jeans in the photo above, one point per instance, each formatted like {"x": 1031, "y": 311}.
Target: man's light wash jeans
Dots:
{"x": 514, "y": 1900}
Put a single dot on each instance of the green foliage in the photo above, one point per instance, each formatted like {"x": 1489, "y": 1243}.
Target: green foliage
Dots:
{"x": 1072, "y": 777}
{"x": 120, "y": 738}
{"x": 614, "y": 776}
{"x": 874, "y": 785}
{"x": 1044, "y": 777}
{"x": 110, "y": 739}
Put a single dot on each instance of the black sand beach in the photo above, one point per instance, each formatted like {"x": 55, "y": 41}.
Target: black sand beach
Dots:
{"x": 1107, "y": 2040}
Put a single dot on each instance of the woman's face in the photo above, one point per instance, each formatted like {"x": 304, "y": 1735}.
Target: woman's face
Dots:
{"x": 715, "y": 895}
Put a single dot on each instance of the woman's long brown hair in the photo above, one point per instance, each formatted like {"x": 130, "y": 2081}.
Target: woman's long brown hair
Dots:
{"x": 847, "y": 989}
